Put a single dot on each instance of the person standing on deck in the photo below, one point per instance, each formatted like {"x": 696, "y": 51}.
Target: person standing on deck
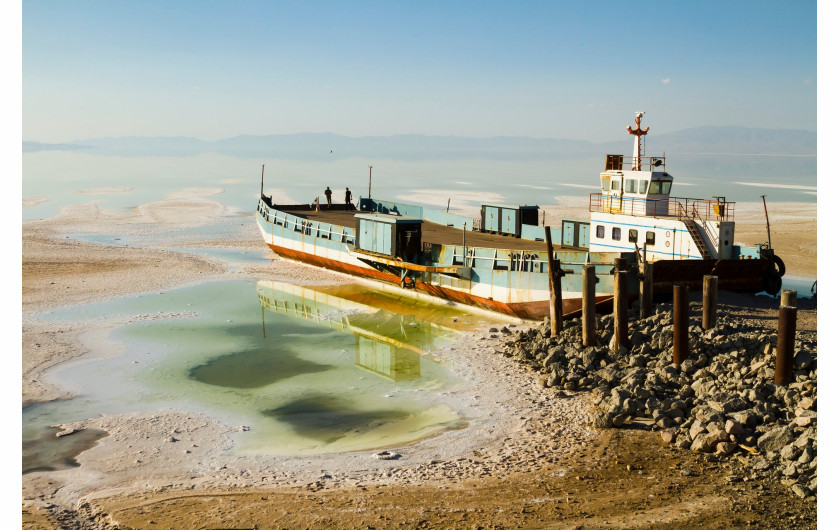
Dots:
{"x": 328, "y": 193}
{"x": 348, "y": 197}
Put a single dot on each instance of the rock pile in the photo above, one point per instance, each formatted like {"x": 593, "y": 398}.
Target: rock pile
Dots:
{"x": 721, "y": 401}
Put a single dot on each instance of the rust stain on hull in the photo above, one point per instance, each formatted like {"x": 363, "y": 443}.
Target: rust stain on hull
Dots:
{"x": 527, "y": 310}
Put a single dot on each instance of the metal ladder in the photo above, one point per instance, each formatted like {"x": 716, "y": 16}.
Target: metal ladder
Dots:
{"x": 698, "y": 239}
{"x": 695, "y": 234}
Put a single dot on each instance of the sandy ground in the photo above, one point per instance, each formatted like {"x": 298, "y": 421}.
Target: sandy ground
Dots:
{"x": 528, "y": 457}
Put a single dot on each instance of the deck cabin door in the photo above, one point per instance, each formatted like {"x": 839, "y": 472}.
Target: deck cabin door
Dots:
{"x": 616, "y": 190}
{"x": 605, "y": 192}
{"x": 490, "y": 220}
{"x": 383, "y": 238}
{"x": 569, "y": 234}
{"x": 508, "y": 221}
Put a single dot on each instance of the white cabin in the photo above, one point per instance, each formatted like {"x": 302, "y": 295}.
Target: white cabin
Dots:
{"x": 635, "y": 211}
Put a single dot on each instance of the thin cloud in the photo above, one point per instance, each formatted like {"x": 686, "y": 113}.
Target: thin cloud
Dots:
{"x": 666, "y": 80}
{"x": 584, "y": 186}
{"x": 782, "y": 186}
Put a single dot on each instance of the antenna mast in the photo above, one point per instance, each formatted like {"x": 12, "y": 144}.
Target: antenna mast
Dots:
{"x": 638, "y": 132}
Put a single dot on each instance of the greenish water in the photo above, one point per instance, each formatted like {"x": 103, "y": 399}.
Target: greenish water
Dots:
{"x": 308, "y": 371}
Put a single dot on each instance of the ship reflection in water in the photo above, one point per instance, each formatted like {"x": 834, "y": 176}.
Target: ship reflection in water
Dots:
{"x": 392, "y": 337}
{"x": 390, "y": 333}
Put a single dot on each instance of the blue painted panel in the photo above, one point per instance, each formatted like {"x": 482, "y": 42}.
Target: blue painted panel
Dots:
{"x": 384, "y": 238}
{"x": 751, "y": 252}
{"x": 420, "y": 212}
{"x": 533, "y": 233}
{"x": 444, "y": 218}
{"x": 583, "y": 235}
{"x": 367, "y": 234}
{"x": 491, "y": 219}
{"x": 568, "y": 233}
{"x": 508, "y": 221}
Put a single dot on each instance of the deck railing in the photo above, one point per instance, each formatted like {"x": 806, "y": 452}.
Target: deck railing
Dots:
{"x": 642, "y": 163}
{"x": 680, "y": 207}
{"x": 305, "y": 226}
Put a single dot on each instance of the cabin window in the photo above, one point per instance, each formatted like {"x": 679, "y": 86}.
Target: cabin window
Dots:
{"x": 605, "y": 183}
{"x": 633, "y": 235}
{"x": 630, "y": 185}
{"x": 660, "y": 187}
{"x": 599, "y": 231}
{"x": 650, "y": 238}
{"x": 643, "y": 186}
{"x": 616, "y": 184}
{"x": 616, "y": 233}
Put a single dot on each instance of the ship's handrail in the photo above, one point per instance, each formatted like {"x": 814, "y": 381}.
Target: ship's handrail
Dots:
{"x": 714, "y": 235}
{"x": 702, "y": 209}
{"x": 642, "y": 163}
{"x": 299, "y": 224}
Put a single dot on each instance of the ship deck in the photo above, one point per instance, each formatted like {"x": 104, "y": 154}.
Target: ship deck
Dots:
{"x": 431, "y": 232}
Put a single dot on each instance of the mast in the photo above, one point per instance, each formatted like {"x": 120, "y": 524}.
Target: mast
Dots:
{"x": 638, "y": 132}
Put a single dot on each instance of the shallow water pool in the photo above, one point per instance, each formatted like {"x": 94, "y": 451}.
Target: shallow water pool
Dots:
{"x": 307, "y": 370}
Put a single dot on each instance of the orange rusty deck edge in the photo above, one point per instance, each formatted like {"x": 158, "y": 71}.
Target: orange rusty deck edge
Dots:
{"x": 525, "y": 310}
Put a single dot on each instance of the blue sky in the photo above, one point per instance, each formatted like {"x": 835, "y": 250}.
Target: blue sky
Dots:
{"x": 543, "y": 69}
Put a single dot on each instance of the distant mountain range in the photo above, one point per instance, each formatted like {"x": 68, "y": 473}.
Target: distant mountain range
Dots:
{"x": 322, "y": 146}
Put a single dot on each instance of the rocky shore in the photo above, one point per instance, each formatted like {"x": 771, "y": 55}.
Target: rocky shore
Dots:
{"x": 721, "y": 402}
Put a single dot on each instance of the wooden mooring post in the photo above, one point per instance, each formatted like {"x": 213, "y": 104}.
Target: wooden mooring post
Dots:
{"x": 555, "y": 303}
{"x": 784, "y": 344}
{"x": 680, "y": 314}
{"x": 710, "y": 292}
{"x": 646, "y": 291}
{"x": 788, "y": 297}
{"x": 588, "y": 282}
{"x": 620, "y": 304}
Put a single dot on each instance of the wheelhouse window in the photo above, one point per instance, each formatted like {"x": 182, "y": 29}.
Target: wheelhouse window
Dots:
{"x": 633, "y": 235}
{"x": 660, "y": 187}
{"x": 650, "y": 238}
{"x": 616, "y": 184}
{"x": 605, "y": 183}
{"x": 630, "y": 185}
{"x": 643, "y": 185}
{"x": 599, "y": 231}
{"x": 616, "y": 233}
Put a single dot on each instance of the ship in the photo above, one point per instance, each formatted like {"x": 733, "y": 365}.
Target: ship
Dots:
{"x": 500, "y": 261}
